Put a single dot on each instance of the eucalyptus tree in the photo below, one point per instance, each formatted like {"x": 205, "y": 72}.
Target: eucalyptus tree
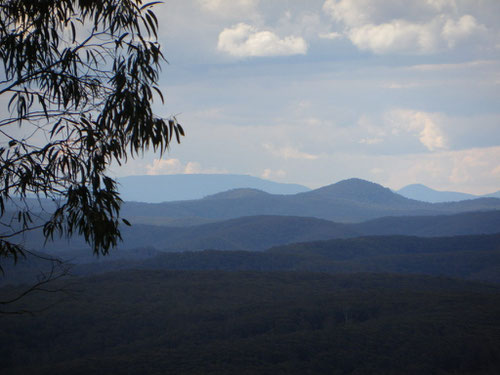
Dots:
{"x": 77, "y": 83}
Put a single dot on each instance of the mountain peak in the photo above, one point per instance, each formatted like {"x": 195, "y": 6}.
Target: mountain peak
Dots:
{"x": 237, "y": 193}
{"x": 177, "y": 187}
{"x": 357, "y": 189}
{"x": 426, "y": 194}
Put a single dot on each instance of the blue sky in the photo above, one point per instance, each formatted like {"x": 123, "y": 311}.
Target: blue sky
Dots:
{"x": 313, "y": 92}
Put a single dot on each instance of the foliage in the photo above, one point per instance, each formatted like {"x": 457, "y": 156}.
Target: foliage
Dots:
{"x": 158, "y": 322}
{"x": 80, "y": 77}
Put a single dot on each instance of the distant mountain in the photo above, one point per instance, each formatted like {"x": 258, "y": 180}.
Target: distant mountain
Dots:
{"x": 358, "y": 190}
{"x": 166, "y": 188}
{"x": 493, "y": 195}
{"x": 426, "y": 194}
{"x": 261, "y": 232}
{"x": 352, "y": 200}
{"x": 246, "y": 233}
{"x": 250, "y": 219}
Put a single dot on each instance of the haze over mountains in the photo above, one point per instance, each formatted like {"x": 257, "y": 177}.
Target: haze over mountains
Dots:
{"x": 176, "y": 187}
{"x": 352, "y": 200}
{"x": 167, "y": 188}
{"x": 250, "y": 219}
{"x": 246, "y": 266}
{"x": 426, "y": 194}
{"x": 257, "y": 233}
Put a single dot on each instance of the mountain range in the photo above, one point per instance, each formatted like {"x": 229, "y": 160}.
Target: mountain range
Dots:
{"x": 250, "y": 219}
{"x": 257, "y": 233}
{"x": 167, "y": 188}
{"x": 426, "y": 194}
{"x": 178, "y": 187}
{"x": 352, "y": 200}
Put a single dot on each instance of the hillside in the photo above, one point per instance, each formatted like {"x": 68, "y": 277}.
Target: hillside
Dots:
{"x": 482, "y": 222}
{"x": 466, "y": 257}
{"x": 262, "y": 232}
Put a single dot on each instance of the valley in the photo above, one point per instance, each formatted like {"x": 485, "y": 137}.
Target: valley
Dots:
{"x": 351, "y": 277}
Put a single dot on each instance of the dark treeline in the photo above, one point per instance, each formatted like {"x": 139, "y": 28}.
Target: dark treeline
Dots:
{"x": 468, "y": 257}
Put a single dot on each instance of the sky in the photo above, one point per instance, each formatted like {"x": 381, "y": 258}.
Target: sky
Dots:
{"x": 313, "y": 92}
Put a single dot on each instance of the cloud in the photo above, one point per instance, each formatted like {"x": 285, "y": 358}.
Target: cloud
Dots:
{"x": 425, "y": 125}
{"x": 399, "y": 26}
{"x": 273, "y": 174}
{"x": 396, "y": 36}
{"x": 230, "y": 8}
{"x": 456, "y": 31}
{"x": 402, "y": 85}
{"x": 243, "y": 40}
{"x": 477, "y": 64}
{"x": 289, "y": 153}
{"x": 331, "y": 35}
{"x": 175, "y": 166}
{"x": 463, "y": 170}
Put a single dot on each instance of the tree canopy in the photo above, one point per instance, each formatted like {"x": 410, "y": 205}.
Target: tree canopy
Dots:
{"x": 78, "y": 79}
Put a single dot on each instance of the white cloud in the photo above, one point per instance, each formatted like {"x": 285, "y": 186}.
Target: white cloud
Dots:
{"x": 442, "y": 4}
{"x": 273, "y": 174}
{"x": 175, "y": 166}
{"x": 402, "y": 85}
{"x": 168, "y": 166}
{"x": 396, "y": 36}
{"x": 289, "y": 152}
{"x": 243, "y": 40}
{"x": 456, "y": 31}
{"x": 399, "y": 26}
{"x": 463, "y": 170}
{"x": 230, "y": 8}
{"x": 477, "y": 64}
{"x": 425, "y": 125}
{"x": 350, "y": 12}
{"x": 331, "y": 35}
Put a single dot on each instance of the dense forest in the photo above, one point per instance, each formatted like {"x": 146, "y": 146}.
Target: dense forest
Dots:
{"x": 214, "y": 322}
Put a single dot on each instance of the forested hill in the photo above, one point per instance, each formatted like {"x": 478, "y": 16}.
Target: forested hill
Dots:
{"x": 469, "y": 257}
{"x": 351, "y": 200}
{"x": 262, "y": 232}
